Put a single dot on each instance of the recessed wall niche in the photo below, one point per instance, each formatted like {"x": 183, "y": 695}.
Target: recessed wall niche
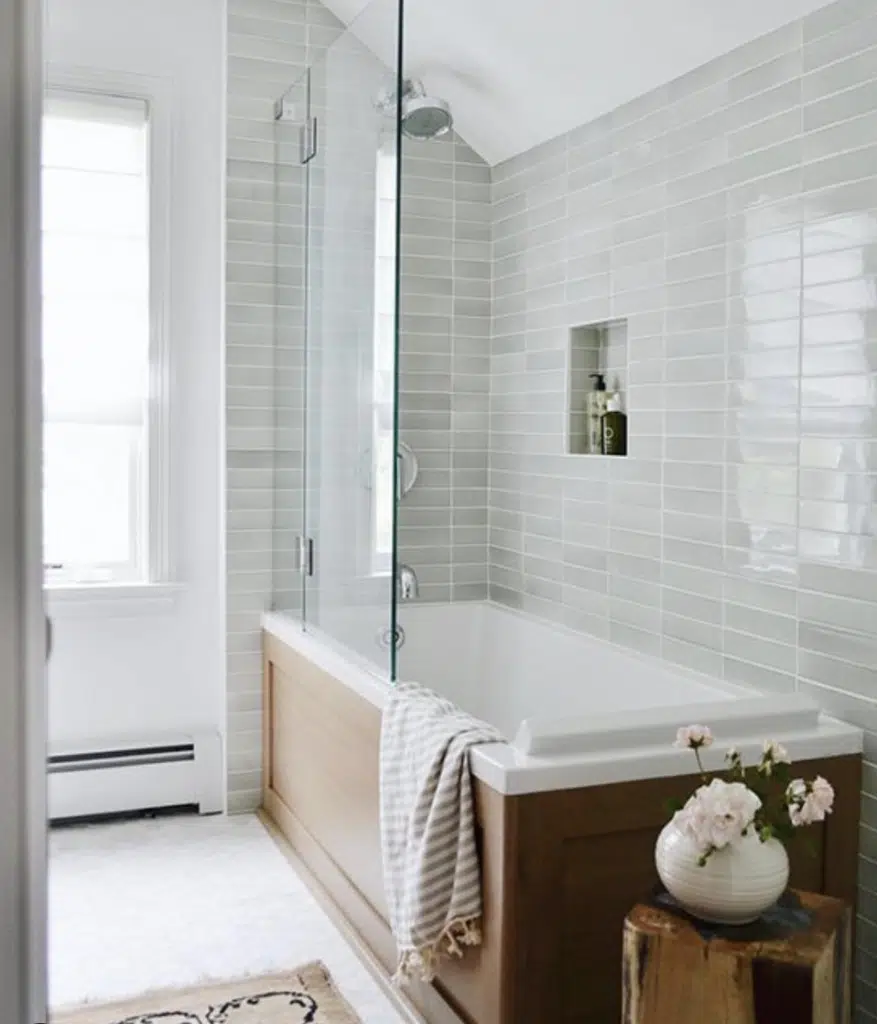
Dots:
{"x": 594, "y": 348}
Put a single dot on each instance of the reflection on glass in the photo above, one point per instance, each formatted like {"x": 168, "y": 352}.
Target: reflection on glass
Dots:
{"x": 384, "y": 362}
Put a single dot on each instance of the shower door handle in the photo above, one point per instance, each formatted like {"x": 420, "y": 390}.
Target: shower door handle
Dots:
{"x": 308, "y": 140}
{"x": 305, "y": 555}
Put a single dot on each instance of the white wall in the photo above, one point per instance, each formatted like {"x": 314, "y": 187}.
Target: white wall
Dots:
{"x": 162, "y": 669}
{"x": 555, "y": 65}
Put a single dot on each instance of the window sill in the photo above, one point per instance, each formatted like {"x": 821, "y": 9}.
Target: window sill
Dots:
{"x": 110, "y": 600}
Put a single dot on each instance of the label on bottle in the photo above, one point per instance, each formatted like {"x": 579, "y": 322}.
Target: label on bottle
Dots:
{"x": 596, "y": 407}
{"x": 614, "y": 433}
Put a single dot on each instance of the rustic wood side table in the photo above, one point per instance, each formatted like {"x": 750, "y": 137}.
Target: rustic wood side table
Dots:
{"x": 792, "y": 966}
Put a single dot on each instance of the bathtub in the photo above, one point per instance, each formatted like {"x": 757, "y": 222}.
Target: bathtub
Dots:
{"x": 569, "y": 806}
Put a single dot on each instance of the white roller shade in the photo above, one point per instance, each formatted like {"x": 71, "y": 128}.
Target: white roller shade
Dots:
{"x": 96, "y": 259}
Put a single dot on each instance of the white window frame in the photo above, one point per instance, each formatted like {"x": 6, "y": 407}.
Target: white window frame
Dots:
{"x": 159, "y": 561}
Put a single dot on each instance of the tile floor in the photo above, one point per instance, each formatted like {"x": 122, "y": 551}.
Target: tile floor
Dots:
{"x": 152, "y": 904}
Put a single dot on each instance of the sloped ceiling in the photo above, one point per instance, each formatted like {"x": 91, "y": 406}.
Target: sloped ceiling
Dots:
{"x": 519, "y": 72}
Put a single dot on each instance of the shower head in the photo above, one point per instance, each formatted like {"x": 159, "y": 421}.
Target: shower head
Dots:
{"x": 425, "y": 117}
{"x": 421, "y": 116}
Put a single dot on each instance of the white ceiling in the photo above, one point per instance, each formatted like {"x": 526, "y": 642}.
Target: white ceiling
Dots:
{"x": 518, "y": 72}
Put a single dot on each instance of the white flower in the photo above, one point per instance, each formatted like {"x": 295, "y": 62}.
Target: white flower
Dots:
{"x": 774, "y": 753}
{"x": 796, "y": 798}
{"x": 693, "y": 737}
{"x": 796, "y": 790}
{"x": 796, "y": 795}
{"x": 809, "y": 802}
{"x": 718, "y": 814}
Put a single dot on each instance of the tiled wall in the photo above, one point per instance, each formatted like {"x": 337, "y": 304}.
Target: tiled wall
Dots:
{"x": 444, "y": 364}
{"x": 731, "y": 217}
{"x": 348, "y": 596}
{"x": 270, "y": 43}
{"x": 444, "y": 345}
{"x": 444, "y": 359}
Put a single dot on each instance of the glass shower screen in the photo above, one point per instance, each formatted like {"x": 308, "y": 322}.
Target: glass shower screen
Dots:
{"x": 337, "y": 130}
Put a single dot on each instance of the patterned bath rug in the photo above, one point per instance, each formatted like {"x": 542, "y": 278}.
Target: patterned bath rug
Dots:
{"x": 306, "y": 995}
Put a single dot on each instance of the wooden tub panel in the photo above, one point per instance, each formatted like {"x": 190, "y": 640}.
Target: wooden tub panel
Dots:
{"x": 586, "y": 856}
{"x": 324, "y": 765}
{"x": 321, "y": 778}
{"x": 480, "y": 987}
{"x": 560, "y": 869}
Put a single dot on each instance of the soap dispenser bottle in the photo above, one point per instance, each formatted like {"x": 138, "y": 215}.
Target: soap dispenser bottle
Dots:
{"x": 595, "y": 408}
{"x": 614, "y": 427}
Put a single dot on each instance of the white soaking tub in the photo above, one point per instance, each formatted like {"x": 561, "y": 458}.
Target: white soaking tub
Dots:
{"x": 575, "y": 711}
{"x": 568, "y": 808}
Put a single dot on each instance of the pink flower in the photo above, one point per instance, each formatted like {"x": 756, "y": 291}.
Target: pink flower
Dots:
{"x": 718, "y": 814}
{"x": 821, "y": 797}
{"x": 693, "y": 737}
{"x": 800, "y": 815}
{"x": 809, "y": 802}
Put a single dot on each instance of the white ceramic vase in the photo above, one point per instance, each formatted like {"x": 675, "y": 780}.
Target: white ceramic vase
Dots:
{"x": 736, "y": 884}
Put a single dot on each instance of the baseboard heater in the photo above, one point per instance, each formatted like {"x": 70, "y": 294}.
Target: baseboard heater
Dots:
{"x": 128, "y": 775}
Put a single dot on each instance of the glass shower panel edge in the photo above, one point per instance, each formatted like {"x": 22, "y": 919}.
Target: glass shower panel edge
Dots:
{"x": 288, "y": 348}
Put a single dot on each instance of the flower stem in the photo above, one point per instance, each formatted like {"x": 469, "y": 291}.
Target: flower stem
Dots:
{"x": 700, "y": 765}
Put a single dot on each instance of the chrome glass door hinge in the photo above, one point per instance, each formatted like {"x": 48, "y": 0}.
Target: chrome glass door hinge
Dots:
{"x": 308, "y": 140}
{"x": 305, "y": 555}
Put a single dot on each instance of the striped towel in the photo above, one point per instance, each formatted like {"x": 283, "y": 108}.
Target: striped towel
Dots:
{"x": 431, "y": 874}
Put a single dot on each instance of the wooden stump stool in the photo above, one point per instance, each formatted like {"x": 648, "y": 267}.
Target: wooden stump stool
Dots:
{"x": 792, "y": 966}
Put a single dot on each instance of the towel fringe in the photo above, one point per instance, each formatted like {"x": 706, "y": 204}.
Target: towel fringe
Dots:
{"x": 423, "y": 962}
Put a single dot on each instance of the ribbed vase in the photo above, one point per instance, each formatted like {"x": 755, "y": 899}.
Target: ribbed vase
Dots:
{"x": 736, "y": 884}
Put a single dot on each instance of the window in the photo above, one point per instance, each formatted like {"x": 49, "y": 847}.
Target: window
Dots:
{"x": 384, "y": 362}
{"x": 97, "y": 339}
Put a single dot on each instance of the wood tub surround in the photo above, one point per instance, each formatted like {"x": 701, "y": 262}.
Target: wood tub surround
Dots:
{"x": 560, "y": 869}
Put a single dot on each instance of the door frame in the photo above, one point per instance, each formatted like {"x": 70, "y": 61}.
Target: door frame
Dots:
{"x": 23, "y": 954}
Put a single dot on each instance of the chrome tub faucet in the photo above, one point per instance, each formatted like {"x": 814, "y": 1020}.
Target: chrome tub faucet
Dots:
{"x": 407, "y": 583}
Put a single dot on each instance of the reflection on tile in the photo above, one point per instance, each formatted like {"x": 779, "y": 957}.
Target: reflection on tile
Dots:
{"x": 763, "y": 679}
{"x": 732, "y": 219}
